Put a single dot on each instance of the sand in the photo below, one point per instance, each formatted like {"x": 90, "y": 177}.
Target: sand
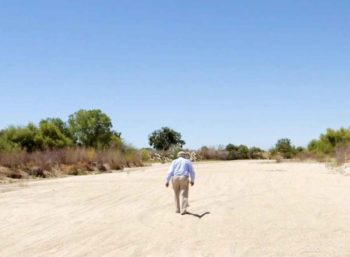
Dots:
{"x": 239, "y": 208}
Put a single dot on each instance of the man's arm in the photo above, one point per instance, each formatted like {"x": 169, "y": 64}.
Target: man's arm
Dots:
{"x": 192, "y": 173}
{"x": 170, "y": 174}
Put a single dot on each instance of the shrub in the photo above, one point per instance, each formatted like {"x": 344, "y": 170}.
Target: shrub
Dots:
{"x": 27, "y": 138}
{"x": 242, "y": 152}
{"x": 320, "y": 147}
{"x": 256, "y": 153}
{"x": 328, "y": 143}
{"x": 54, "y": 134}
{"x": 145, "y": 155}
{"x": 284, "y": 149}
{"x": 7, "y": 146}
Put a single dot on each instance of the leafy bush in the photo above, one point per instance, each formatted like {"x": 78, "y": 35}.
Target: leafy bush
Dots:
{"x": 231, "y": 152}
{"x": 242, "y": 152}
{"x": 319, "y": 147}
{"x": 54, "y": 135}
{"x": 256, "y": 153}
{"x": 284, "y": 149}
{"x": 7, "y": 145}
{"x": 328, "y": 142}
{"x": 27, "y": 138}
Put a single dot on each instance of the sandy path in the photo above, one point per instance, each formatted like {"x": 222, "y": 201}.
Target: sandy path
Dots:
{"x": 256, "y": 209}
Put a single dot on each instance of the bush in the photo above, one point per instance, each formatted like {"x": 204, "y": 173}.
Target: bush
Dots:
{"x": 256, "y": 153}
{"x": 242, "y": 152}
{"x": 328, "y": 143}
{"x": 54, "y": 134}
{"x": 7, "y": 146}
{"x": 320, "y": 147}
{"x": 284, "y": 149}
{"x": 145, "y": 154}
{"x": 27, "y": 138}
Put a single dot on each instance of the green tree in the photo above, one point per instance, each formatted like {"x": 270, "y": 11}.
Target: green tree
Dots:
{"x": 27, "y": 138}
{"x": 91, "y": 128}
{"x": 60, "y": 124}
{"x": 233, "y": 152}
{"x": 285, "y": 148}
{"x": 240, "y": 152}
{"x": 320, "y": 147}
{"x": 165, "y": 138}
{"x": 55, "y": 134}
{"x": 330, "y": 141}
{"x": 256, "y": 153}
{"x": 7, "y": 145}
{"x": 243, "y": 152}
{"x": 231, "y": 147}
{"x": 336, "y": 137}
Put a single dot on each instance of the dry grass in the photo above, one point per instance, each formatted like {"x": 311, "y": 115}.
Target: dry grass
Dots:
{"x": 212, "y": 154}
{"x": 342, "y": 154}
{"x": 70, "y": 161}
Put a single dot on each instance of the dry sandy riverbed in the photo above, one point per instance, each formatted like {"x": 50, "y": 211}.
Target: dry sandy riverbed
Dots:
{"x": 240, "y": 208}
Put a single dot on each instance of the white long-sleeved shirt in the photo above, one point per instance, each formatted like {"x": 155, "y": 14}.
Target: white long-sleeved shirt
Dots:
{"x": 181, "y": 167}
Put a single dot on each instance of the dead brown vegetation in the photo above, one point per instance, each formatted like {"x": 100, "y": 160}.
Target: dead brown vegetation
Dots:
{"x": 69, "y": 161}
{"x": 342, "y": 154}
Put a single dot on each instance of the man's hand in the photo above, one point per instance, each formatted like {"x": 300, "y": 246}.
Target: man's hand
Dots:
{"x": 166, "y": 184}
{"x": 192, "y": 183}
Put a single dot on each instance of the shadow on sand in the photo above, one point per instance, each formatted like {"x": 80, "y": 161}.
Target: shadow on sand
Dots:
{"x": 199, "y": 216}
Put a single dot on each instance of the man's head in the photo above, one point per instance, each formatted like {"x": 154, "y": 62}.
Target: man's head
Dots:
{"x": 181, "y": 154}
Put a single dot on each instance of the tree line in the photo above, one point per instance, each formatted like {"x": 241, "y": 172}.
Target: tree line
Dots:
{"x": 328, "y": 145}
{"x": 94, "y": 129}
{"x": 87, "y": 128}
{"x": 167, "y": 139}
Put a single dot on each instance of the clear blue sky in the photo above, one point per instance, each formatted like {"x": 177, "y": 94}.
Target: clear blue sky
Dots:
{"x": 219, "y": 72}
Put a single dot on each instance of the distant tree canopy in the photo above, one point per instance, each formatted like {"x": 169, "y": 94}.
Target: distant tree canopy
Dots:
{"x": 328, "y": 142}
{"x": 88, "y": 128}
{"x": 91, "y": 128}
{"x": 59, "y": 124}
{"x": 27, "y": 138}
{"x": 54, "y": 133}
{"x": 165, "y": 138}
{"x": 284, "y": 148}
{"x": 242, "y": 152}
{"x": 7, "y": 145}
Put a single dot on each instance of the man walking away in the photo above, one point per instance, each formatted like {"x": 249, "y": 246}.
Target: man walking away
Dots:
{"x": 181, "y": 171}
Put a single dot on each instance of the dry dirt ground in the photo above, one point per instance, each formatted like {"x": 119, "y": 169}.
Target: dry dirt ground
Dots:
{"x": 239, "y": 208}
